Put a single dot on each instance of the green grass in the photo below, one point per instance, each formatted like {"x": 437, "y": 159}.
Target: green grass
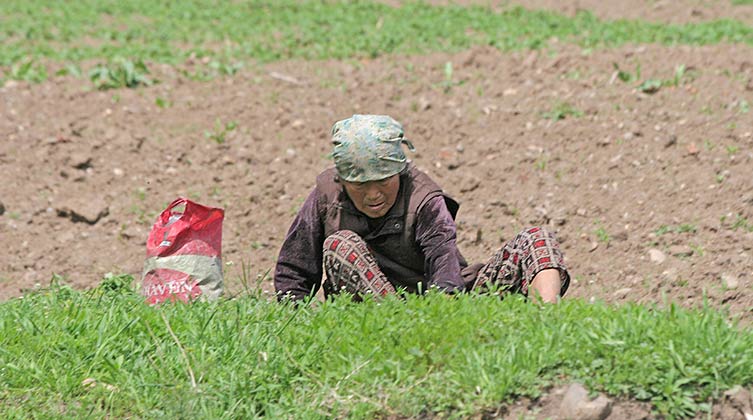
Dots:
{"x": 103, "y": 353}
{"x": 681, "y": 228}
{"x": 33, "y": 32}
{"x": 562, "y": 110}
{"x": 742, "y": 223}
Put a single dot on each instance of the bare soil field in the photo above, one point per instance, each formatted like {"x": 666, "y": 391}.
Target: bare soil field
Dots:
{"x": 649, "y": 190}
{"x": 650, "y": 193}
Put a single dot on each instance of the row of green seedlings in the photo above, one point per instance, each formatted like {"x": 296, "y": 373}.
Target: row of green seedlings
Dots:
{"x": 124, "y": 73}
{"x": 562, "y": 110}
{"x": 734, "y": 223}
{"x": 681, "y": 76}
{"x": 117, "y": 73}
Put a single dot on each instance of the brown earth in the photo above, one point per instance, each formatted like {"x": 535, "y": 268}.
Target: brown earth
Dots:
{"x": 651, "y": 193}
{"x": 606, "y": 180}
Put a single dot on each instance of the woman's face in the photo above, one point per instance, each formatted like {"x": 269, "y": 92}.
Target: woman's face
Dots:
{"x": 373, "y": 198}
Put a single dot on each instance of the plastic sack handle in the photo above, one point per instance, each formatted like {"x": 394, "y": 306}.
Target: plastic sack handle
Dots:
{"x": 165, "y": 216}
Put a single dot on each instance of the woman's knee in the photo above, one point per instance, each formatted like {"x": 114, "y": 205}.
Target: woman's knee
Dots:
{"x": 537, "y": 232}
{"x": 335, "y": 239}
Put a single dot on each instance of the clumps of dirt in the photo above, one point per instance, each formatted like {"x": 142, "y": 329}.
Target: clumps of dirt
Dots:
{"x": 86, "y": 211}
{"x": 574, "y": 402}
{"x": 571, "y": 402}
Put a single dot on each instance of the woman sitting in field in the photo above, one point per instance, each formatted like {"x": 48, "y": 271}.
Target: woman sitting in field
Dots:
{"x": 378, "y": 225}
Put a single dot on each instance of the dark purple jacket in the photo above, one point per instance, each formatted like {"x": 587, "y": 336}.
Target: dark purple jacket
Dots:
{"x": 415, "y": 246}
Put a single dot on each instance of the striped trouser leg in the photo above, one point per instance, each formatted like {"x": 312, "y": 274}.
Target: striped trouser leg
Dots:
{"x": 350, "y": 267}
{"x": 513, "y": 267}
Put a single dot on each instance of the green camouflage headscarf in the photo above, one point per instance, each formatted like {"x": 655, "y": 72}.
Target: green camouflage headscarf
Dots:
{"x": 368, "y": 148}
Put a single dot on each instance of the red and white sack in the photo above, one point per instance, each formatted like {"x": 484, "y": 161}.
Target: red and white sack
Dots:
{"x": 184, "y": 254}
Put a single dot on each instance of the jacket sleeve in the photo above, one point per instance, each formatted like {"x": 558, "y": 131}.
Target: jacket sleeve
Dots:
{"x": 436, "y": 237}
{"x": 298, "y": 273}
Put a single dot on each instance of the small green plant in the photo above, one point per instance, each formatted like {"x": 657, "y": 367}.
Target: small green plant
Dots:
{"x": 731, "y": 150}
{"x": 216, "y": 192}
{"x": 743, "y": 107}
{"x": 663, "y": 229}
{"x": 220, "y": 131}
{"x": 120, "y": 73}
{"x": 70, "y": 69}
{"x": 449, "y": 82}
{"x": 682, "y": 228}
{"x": 448, "y": 73}
{"x": 653, "y": 85}
{"x": 650, "y": 86}
{"x": 628, "y": 77}
{"x": 140, "y": 193}
{"x": 163, "y": 103}
{"x": 742, "y": 222}
{"x": 687, "y": 228}
{"x": 224, "y": 68}
{"x": 193, "y": 195}
{"x": 143, "y": 217}
{"x": 213, "y": 69}
{"x": 680, "y": 72}
{"x": 113, "y": 283}
{"x": 562, "y": 110}
{"x": 573, "y": 74}
{"x": 28, "y": 71}
{"x": 274, "y": 97}
{"x": 601, "y": 233}
{"x": 541, "y": 163}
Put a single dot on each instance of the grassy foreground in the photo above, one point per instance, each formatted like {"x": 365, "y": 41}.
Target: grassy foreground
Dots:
{"x": 65, "y": 353}
{"x": 229, "y": 33}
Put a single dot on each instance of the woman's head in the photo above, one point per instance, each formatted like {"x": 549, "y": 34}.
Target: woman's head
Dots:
{"x": 368, "y": 148}
{"x": 369, "y": 157}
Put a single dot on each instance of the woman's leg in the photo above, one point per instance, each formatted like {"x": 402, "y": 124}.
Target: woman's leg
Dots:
{"x": 350, "y": 267}
{"x": 532, "y": 259}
